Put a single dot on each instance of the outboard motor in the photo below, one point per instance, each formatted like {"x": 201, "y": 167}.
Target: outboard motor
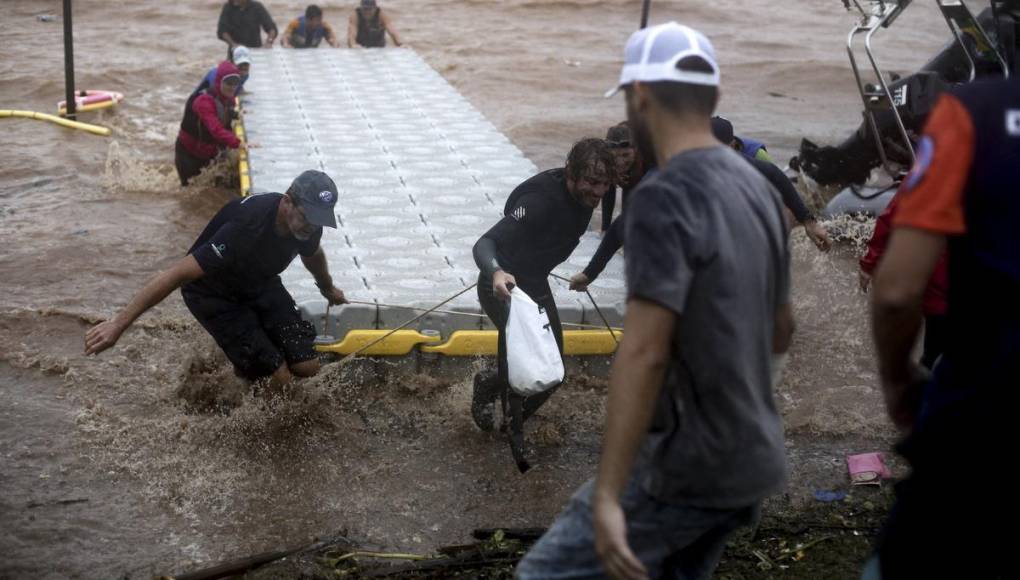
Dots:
{"x": 895, "y": 110}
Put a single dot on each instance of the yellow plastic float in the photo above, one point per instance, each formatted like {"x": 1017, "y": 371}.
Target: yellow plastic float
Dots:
{"x": 95, "y": 129}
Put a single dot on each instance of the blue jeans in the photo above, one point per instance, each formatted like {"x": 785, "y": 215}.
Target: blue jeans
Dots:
{"x": 672, "y": 541}
{"x": 872, "y": 569}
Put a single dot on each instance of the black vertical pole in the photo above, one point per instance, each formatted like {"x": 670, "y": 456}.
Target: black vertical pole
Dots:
{"x": 644, "y": 12}
{"x": 69, "y": 61}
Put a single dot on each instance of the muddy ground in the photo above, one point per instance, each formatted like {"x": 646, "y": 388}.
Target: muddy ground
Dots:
{"x": 824, "y": 541}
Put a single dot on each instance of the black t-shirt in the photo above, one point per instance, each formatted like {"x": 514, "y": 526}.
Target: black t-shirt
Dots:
{"x": 541, "y": 227}
{"x": 240, "y": 251}
{"x": 244, "y": 24}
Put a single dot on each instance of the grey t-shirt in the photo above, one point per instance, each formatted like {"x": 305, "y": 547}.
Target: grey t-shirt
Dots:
{"x": 705, "y": 239}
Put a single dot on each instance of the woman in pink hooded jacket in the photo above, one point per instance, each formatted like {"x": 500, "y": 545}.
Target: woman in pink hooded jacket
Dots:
{"x": 205, "y": 128}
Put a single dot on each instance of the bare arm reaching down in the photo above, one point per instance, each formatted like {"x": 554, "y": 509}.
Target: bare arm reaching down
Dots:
{"x": 316, "y": 264}
{"x": 352, "y": 30}
{"x": 106, "y": 334}
{"x": 389, "y": 28}
{"x": 900, "y": 282}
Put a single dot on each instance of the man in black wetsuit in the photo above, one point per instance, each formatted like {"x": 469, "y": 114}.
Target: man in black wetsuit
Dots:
{"x": 629, "y": 170}
{"x": 544, "y": 219}
{"x": 612, "y": 238}
{"x": 230, "y": 281}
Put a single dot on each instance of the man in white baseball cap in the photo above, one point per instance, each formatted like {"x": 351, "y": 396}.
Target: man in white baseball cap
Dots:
{"x": 693, "y": 440}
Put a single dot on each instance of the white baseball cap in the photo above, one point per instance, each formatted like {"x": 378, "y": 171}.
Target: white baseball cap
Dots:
{"x": 242, "y": 55}
{"x": 652, "y": 55}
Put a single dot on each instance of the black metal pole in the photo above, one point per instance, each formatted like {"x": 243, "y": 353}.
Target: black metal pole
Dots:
{"x": 69, "y": 61}
{"x": 644, "y": 12}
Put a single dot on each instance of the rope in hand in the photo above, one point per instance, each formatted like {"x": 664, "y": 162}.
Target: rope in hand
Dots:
{"x": 593, "y": 303}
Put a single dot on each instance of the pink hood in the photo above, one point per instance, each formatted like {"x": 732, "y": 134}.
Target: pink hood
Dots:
{"x": 225, "y": 68}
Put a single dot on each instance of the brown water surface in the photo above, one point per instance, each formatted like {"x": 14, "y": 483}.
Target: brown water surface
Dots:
{"x": 105, "y": 472}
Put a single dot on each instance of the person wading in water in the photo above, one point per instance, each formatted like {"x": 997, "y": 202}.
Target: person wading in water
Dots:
{"x": 368, "y": 26}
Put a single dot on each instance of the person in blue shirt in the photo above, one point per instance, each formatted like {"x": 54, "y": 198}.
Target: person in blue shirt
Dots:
{"x": 241, "y": 57}
{"x": 309, "y": 31}
{"x": 751, "y": 148}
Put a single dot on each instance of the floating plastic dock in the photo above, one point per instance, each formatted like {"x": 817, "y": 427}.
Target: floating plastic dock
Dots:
{"x": 421, "y": 175}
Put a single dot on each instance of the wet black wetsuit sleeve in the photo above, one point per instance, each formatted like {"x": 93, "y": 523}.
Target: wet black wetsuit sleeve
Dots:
{"x": 485, "y": 257}
{"x": 608, "y": 205}
{"x": 529, "y": 215}
{"x": 785, "y": 187}
{"x": 509, "y": 233}
{"x": 612, "y": 241}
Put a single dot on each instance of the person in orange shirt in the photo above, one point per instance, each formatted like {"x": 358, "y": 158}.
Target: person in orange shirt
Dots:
{"x": 962, "y": 194}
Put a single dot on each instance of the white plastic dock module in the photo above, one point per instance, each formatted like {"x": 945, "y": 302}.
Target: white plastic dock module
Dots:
{"x": 421, "y": 174}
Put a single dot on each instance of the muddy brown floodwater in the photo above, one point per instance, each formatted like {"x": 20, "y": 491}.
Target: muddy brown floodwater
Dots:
{"x": 105, "y": 471}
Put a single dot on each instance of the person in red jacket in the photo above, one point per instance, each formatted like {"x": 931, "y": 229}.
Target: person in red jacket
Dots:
{"x": 205, "y": 128}
{"x": 935, "y": 295}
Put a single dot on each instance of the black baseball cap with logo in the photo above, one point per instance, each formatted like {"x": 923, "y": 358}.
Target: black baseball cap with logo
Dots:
{"x": 316, "y": 195}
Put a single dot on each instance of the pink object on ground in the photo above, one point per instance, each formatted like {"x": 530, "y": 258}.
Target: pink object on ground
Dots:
{"x": 867, "y": 469}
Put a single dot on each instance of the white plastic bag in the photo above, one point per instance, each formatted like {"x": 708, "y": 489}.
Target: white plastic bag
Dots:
{"x": 532, "y": 355}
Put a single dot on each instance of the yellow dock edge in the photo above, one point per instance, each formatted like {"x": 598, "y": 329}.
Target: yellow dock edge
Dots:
{"x": 242, "y": 156}
{"x": 462, "y": 343}
{"x": 400, "y": 343}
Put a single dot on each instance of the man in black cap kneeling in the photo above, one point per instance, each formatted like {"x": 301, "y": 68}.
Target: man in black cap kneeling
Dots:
{"x": 230, "y": 281}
